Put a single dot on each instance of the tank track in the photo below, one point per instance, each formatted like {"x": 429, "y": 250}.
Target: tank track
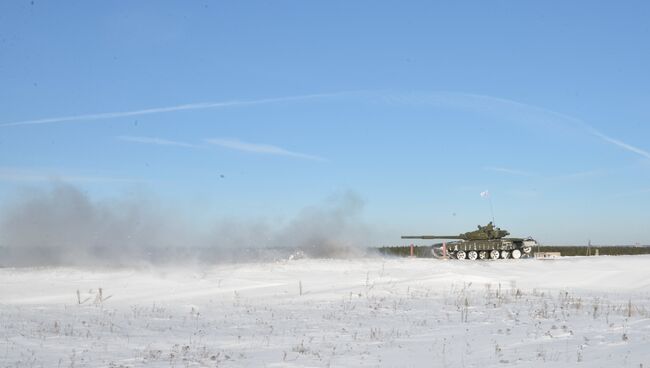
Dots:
{"x": 485, "y": 249}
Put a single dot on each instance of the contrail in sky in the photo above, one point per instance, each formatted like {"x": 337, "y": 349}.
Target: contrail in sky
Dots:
{"x": 158, "y": 110}
{"x": 482, "y": 103}
{"x": 619, "y": 143}
{"x": 509, "y": 171}
{"x": 514, "y": 110}
{"x": 230, "y": 143}
{"x": 157, "y": 141}
{"x": 260, "y": 148}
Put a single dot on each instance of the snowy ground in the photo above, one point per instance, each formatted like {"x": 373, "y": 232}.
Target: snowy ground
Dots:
{"x": 363, "y": 312}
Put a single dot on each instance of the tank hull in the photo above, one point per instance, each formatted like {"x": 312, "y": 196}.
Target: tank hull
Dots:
{"x": 487, "y": 242}
{"x": 484, "y": 249}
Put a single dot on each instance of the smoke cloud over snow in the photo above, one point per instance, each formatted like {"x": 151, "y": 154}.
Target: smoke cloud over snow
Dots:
{"x": 64, "y": 226}
{"x": 332, "y": 230}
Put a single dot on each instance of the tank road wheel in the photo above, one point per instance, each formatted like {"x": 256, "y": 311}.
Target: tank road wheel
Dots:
{"x": 482, "y": 254}
{"x": 472, "y": 255}
{"x": 461, "y": 254}
{"x": 494, "y": 254}
{"x": 516, "y": 254}
{"x": 527, "y": 249}
{"x": 505, "y": 254}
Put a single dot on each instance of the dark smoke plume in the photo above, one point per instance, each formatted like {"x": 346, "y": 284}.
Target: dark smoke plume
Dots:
{"x": 64, "y": 226}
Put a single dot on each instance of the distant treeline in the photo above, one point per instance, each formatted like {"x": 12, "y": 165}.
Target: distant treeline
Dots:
{"x": 565, "y": 250}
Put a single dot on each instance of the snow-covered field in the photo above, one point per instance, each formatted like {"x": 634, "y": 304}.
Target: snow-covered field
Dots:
{"x": 317, "y": 312}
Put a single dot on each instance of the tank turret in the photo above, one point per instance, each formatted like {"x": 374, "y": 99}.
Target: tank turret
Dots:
{"x": 487, "y": 232}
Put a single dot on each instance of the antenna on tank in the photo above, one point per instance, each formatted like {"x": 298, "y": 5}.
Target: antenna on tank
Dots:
{"x": 486, "y": 194}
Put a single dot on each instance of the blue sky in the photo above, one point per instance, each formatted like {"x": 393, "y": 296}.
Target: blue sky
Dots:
{"x": 258, "y": 109}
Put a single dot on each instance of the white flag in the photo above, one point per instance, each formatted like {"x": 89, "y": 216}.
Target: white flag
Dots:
{"x": 485, "y": 194}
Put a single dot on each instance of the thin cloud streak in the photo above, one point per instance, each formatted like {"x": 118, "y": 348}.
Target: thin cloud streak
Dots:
{"x": 581, "y": 123}
{"x": 621, "y": 144}
{"x": 259, "y": 148}
{"x": 509, "y": 171}
{"x": 158, "y": 110}
{"x": 233, "y": 144}
{"x": 12, "y": 174}
{"x": 483, "y": 103}
{"x": 157, "y": 141}
{"x": 581, "y": 174}
{"x": 575, "y": 175}
{"x": 512, "y": 109}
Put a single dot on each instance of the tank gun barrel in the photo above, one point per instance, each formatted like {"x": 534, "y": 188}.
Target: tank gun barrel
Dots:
{"x": 487, "y": 232}
{"x": 432, "y": 237}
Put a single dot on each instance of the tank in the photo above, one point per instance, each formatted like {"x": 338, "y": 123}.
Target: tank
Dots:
{"x": 487, "y": 242}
